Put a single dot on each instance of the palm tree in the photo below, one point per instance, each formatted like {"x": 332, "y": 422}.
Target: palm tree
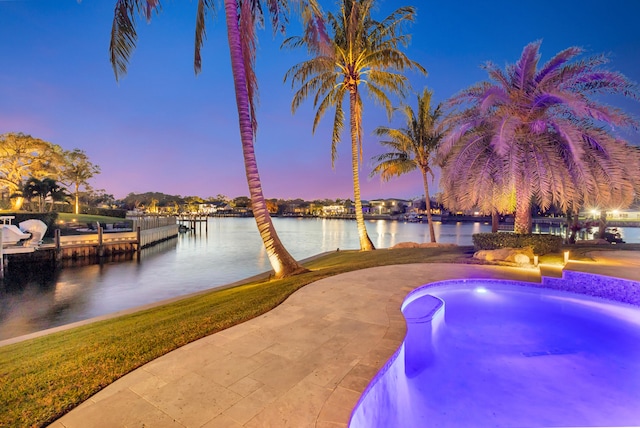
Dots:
{"x": 43, "y": 189}
{"x": 363, "y": 51}
{"x": 412, "y": 147}
{"x": 77, "y": 170}
{"x": 242, "y": 18}
{"x": 472, "y": 178}
{"x": 542, "y": 130}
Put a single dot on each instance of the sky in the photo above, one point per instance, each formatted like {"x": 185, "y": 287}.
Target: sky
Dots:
{"x": 163, "y": 129}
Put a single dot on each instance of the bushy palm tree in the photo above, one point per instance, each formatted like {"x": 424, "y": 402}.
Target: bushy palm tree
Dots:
{"x": 242, "y": 19}
{"x": 40, "y": 190}
{"x": 540, "y": 134}
{"x": 472, "y": 179}
{"x": 363, "y": 52}
{"x": 412, "y": 147}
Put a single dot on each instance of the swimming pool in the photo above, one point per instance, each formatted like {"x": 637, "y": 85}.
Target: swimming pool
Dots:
{"x": 483, "y": 353}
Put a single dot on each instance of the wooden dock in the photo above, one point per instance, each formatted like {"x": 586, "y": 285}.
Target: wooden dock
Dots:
{"x": 190, "y": 221}
{"x": 147, "y": 232}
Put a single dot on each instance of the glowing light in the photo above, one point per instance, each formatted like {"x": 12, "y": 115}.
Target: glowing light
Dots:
{"x": 566, "y": 257}
{"x": 480, "y": 290}
{"x": 595, "y": 213}
{"x": 535, "y": 260}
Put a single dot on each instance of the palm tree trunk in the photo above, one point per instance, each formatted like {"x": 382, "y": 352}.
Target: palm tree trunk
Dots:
{"x": 523, "y": 221}
{"x": 427, "y": 200}
{"x": 365, "y": 241}
{"x": 602, "y": 224}
{"x": 495, "y": 221}
{"x": 282, "y": 262}
{"x": 77, "y": 202}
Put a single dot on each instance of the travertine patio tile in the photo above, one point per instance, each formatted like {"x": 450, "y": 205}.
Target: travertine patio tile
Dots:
{"x": 228, "y": 370}
{"x": 249, "y": 344}
{"x": 355, "y": 382}
{"x": 193, "y": 400}
{"x": 298, "y": 407}
{"x": 339, "y": 405}
{"x": 222, "y": 421}
{"x": 125, "y": 409}
{"x": 281, "y": 374}
{"x": 245, "y": 386}
{"x": 133, "y": 379}
{"x": 246, "y": 408}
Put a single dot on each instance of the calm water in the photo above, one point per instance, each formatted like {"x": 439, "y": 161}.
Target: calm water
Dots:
{"x": 232, "y": 250}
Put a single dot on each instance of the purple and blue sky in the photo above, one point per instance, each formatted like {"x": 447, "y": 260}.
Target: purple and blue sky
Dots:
{"x": 163, "y": 129}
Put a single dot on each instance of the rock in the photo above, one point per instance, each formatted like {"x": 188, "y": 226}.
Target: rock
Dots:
{"x": 592, "y": 242}
{"x": 406, "y": 245}
{"x": 423, "y": 245}
{"x": 435, "y": 245}
{"x": 520, "y": 256}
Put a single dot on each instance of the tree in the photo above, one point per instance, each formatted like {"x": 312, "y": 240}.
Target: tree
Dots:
{"x": 543, "y": 132}
{"x": 363, "y": 51}
{"x": 242, "y": 19}
{"x": 77, "y": 170}
{"x": 22, "y": 157}
{"x": 472, "y": 179}
{"x": 43, "y": 189}
{"x": 412, "y": 147}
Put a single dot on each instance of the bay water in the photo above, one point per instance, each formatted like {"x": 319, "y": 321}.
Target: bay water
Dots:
{"x": 231, "y": 250}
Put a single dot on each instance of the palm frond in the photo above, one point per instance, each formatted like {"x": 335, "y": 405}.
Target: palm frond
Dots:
{"x": 123, "y": 31}
{"x": 205, "y": 7}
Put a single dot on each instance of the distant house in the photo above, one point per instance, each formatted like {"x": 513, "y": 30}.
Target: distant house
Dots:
{"x": 388, "y": 206}
{"x": 630, "y": 214}
{"x": 333, "y": 210}
{"x": 216, "y": 207}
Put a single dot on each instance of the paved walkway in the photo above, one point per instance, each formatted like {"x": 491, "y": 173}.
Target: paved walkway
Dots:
{"x": 303, "y": 364}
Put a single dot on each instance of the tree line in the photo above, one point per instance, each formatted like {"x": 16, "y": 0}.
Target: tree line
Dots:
{"x": 40, "y": 173}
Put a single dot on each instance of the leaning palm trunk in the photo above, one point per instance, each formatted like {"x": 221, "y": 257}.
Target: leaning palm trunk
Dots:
{"x": 365, "y": 242}
{"x": 427, "y": 199}
{"x": 282, "y": 262}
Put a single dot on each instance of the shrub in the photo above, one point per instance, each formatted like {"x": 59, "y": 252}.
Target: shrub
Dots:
{"x": 541, "y": 244}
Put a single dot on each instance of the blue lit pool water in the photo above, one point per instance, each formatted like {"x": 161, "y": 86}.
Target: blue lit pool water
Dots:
{"x": 484, "y": 353}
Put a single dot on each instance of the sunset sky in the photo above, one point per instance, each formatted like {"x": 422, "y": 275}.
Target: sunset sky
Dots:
{"x": 163, "y": 129}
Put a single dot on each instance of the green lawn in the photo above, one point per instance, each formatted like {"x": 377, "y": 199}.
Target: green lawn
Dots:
{"x": 43, "y": 378}
{"x": 86, "y": 218}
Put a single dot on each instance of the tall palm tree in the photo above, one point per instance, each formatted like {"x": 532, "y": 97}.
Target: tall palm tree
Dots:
{"x": 545, "y": 130}
{"x": 242, "y": 18}
{"x": 412, "y": 147}
{"x": 363, "y": 51}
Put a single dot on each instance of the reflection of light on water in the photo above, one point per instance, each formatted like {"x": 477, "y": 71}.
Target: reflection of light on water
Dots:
{"x": 480, "y": 290}
{"x": 64, "y": 291}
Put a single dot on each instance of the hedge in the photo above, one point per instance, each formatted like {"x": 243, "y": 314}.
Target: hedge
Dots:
{"x": 541, "y": 244}
{"x": 107, "y": 212}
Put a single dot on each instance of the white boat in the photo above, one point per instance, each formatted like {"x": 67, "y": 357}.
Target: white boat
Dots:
{"x": 11, "y": 234}
{"x": 36, "y": 228}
